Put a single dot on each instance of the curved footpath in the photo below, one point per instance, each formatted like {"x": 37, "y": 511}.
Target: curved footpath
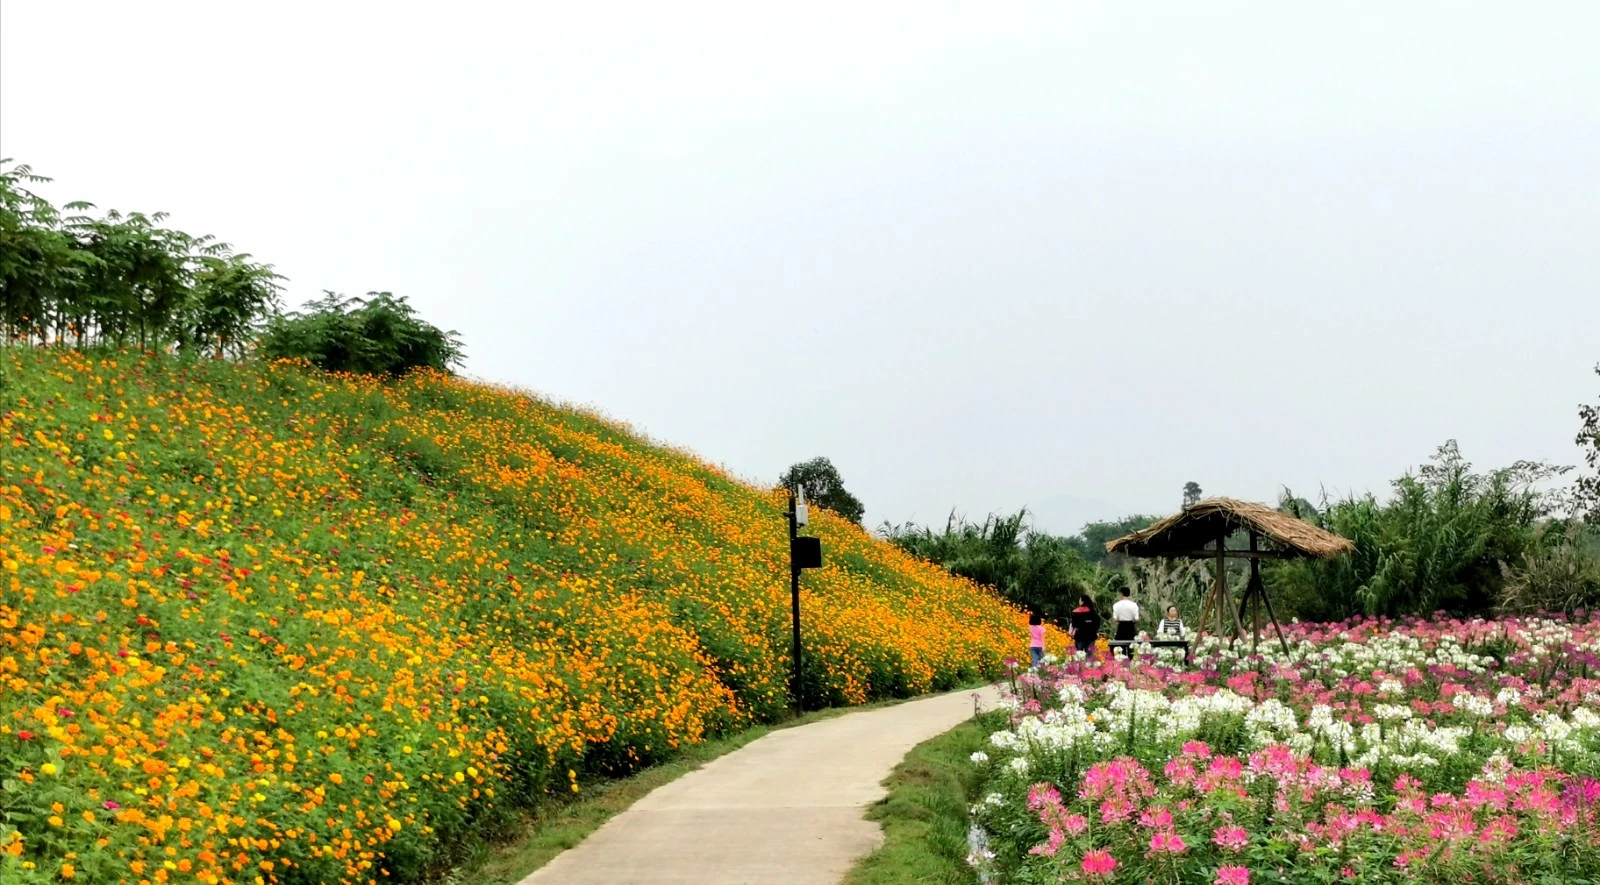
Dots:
{"x": 786, "y": 808}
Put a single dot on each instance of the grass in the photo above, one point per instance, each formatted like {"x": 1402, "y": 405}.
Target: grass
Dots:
{"x": 924, "y": 817}
{"x": 566, "y": 824}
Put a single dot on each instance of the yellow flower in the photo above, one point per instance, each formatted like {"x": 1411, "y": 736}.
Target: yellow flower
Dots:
{"x": 48, "y": 768}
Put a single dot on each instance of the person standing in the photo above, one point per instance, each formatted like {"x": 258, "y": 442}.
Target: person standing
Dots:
{"x": 1126, "y": 613}
{"x": 1085, "y": 625}
{"x": 1036, "y": 637}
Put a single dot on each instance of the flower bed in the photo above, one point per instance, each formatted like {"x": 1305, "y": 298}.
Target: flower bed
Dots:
{"x": 1377, "y": 751}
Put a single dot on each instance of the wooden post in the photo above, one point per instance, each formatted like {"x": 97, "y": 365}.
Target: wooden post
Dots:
{"x": 1222, "y": 588}
{"x": 1273, "y": 615}
{"x": 1255, "y": 601}
{"x": 1207, "y": 606}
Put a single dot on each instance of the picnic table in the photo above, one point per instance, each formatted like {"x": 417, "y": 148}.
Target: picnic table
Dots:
{"x": 1128, "y": 644}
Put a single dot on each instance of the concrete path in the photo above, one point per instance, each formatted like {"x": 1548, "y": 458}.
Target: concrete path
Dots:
{"x": 783, "y": 809}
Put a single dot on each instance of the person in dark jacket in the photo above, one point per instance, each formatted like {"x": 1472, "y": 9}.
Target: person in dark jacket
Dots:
{"x": 1085, "y": 624}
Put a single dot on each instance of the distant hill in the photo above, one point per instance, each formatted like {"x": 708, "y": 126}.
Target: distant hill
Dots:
{"x": 1066, "y": 515}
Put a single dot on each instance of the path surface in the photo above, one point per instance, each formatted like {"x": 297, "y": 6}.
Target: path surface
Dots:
{"x": 783, "y": 809}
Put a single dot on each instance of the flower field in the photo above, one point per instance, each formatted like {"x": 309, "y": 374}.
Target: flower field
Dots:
{"x": 1377, "y": 752}
{"x": 260, "y": 624}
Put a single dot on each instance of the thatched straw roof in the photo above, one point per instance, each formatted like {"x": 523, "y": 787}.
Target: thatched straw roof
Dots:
{"x": 1188, "y": 532}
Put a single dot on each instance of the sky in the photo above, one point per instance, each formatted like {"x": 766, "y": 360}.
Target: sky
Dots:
{"x": 1060, "y": 255}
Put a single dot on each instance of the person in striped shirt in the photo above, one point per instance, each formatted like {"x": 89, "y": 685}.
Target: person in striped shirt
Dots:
{"x": 1171, "y": 626}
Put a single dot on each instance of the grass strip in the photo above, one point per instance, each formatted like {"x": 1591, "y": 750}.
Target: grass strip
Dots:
{"x": 924, "y": 817}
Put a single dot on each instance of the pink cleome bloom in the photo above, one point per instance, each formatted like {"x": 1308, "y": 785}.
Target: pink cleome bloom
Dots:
{"x": 1233, "y": 876}
{"x": 1099, "y": 862}
{"x": 1231, "y": 838}
{"x": 1167, "y": 842}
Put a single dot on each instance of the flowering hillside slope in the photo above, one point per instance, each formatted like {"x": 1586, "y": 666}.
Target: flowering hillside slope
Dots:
{"x": 261, "y": 624}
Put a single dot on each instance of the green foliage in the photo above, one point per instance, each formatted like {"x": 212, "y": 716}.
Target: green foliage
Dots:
{"x": 120, "y": 279}
{"x": 1041, "y": 572}
{"x": 823, "y": 487}
{"x": 1437, "y": 544}
{"x": 1191, "y": 493}
{"x": 1091, "y": 542}
{"x": 1588, "y": 488}
{"x": 1562, "y": 574}
{"x": 377, "y": 335}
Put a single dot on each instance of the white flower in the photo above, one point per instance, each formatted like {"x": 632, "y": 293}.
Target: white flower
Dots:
{"x": 980, "y": 758}
{"x": 1474, "y": 705}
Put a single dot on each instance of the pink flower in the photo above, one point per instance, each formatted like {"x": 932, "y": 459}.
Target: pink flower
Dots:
{"x": 1233, "y": 876}
{"x": 1168, "y": 842}
{"x": 1099, "y": 862}
{"x": 1231, "y": 838}
{"x": 1155, "y": 819}
{"x": 1049, "y": 849}
{"x": 1043, "y": 794}
{"x": 109, "y": 805}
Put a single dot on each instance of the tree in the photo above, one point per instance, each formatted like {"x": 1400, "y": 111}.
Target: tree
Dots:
{"x": 377, "y": 335}
{"x": 1091, "y": 542}
{"x": 1040, "y": 572}
{"x": 1588, "y": 490}
{"x": 1437, "y": 543}
{"x": 232, "y": 294}
{"x": 119, "y": 278}
{"x": 39, "y": 264}
{"x": 824, "y": 487}
{"x": 1191, "y": 493}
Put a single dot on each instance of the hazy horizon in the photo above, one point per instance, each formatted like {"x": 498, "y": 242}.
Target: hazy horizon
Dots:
{"x": 1067, "y": 256}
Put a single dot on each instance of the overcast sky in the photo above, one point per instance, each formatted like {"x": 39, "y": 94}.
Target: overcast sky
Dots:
{"x": 980, "y": 255}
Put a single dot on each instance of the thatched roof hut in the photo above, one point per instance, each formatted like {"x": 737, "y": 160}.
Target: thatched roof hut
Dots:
{"x": 1212, "y": 521}
{"x": 1186, "y": 534}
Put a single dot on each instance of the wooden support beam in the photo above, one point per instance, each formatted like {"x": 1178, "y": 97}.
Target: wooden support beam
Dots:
{"x": 1273, "y": 615}
{"x": 1254, "y": 595}
{"x": 1232, "y": 554}
{"x": 1222, "y": 586}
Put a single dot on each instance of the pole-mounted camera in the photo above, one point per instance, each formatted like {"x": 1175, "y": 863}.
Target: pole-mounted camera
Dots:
{"x": 804, "y": 553}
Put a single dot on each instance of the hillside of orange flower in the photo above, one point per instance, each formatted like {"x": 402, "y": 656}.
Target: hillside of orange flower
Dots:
{"x": 260, "y": 624}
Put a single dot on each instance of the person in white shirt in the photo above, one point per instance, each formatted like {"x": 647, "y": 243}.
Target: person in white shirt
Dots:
{"x": 1126, "y": 613}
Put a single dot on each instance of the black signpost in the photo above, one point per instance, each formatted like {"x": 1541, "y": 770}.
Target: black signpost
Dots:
{"x": 804, "y": 553}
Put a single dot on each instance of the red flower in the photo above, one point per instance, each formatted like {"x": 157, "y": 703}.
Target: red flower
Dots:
{"x": 25, "y": 735}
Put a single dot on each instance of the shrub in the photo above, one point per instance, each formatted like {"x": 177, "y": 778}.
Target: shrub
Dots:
{"x": 377, "y": 335}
